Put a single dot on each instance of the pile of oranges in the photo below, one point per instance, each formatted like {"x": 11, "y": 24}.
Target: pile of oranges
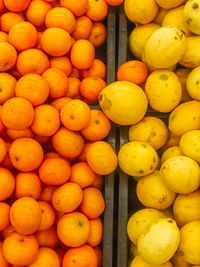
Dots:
{"x": 52, "y": 157}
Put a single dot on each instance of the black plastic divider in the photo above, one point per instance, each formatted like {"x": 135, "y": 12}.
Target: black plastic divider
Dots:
{"x": 108, "y": 248}
{"x": 122, "y": 250}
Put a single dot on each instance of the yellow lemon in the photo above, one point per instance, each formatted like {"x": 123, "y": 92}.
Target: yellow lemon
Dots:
{"x": 137, "y": 158}
{"x": 160, "y": 242}
{"x": 181, "y": 174}
{"x": 152, "y": 192}
{"x": 150, "y": 130}
{"x": 186, "y": 208}
{"x": 124, "y": 103}
{"x": 163, "y": 90}
{"x": 139, "y": 36}
{"x": 141, "y": 12}
{"x": 165, "y": 47}
{"x": 185, "y": 117}
{"x": 140, "y": 221}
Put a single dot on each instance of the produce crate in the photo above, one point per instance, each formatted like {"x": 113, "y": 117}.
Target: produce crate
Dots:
{"x": 127, "y": 198}
{"x": 108, "y": 243}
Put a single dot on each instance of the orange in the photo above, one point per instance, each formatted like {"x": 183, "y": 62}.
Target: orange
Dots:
{"x": 67, "y": 143}
{"x": 75, "y": 72}
{"x": 32, "y": 61}
{"x": 2, "y": 6}
{"x": 25, "y": 215}
{"x": 67, "y": 198}
{"x": 48, "y": 215}
{"x": 96, "y": 232}
{"x": 82, "y": 54}
{"x": 7, "y": 184}
{"x": 17, "y": 113}
{"x": 23, "y": 35}
{"x": 54, "y": 171}
{"x": 78, "y": 7}
{"x": 7, "y": 87}
{"x": 73, "y": 87}
{"x": 26, "y": 154}
{"x": 4, "y": 215}
{"x": 3, "y": 37}
{"x": 37, "y": 12}
{"x": 28, "y": 184}
{"x": 133, "y": 71}
{"x": 7, "y": 231}
{"x": 98, "y": 128}
{"x": 80, "y": 257}
{"x": 46, "y": 121}
{"x": 114, "y": 2}
{"x": 46, "y": 257}
{"x": 33, "y": 88}
{"x": 47, "y": 238}
{"x": 99, "y": 255}
{"x": 98, "y": 69}
{"x": 75, "y": 115}
{"x": 8, "y": 56}
{"x": 101, "y": 158}
{"x": 3, "y": 261}
{"x": 62, "y": 18}
{"x": 3, "y": 149}
{"x": 73, "y": 229}
{"x": 43, "y": 140}
{"x": 15, "y": 134}
{"x": 58, "y": 82}
{"x": 99, "y": 182}
{"x": 83, "y": 28}
{"x": 98, "y": 34}
{"x": 9, "y": 19}
{"x": 91, "y": 87}
{"x": 61, "y": 63}
{"x": 20, "y": 249}
{"x": 82, "y": 175}
{"x": 60, "y": 102}
{"x": 16, "y": 6}
{"x": 97, "y": 10}
{"x": 47, "y": 192}
{"x": 83, "y": 155}
{"x": 93, "y": 204}
{"x": 56, "y": 41}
